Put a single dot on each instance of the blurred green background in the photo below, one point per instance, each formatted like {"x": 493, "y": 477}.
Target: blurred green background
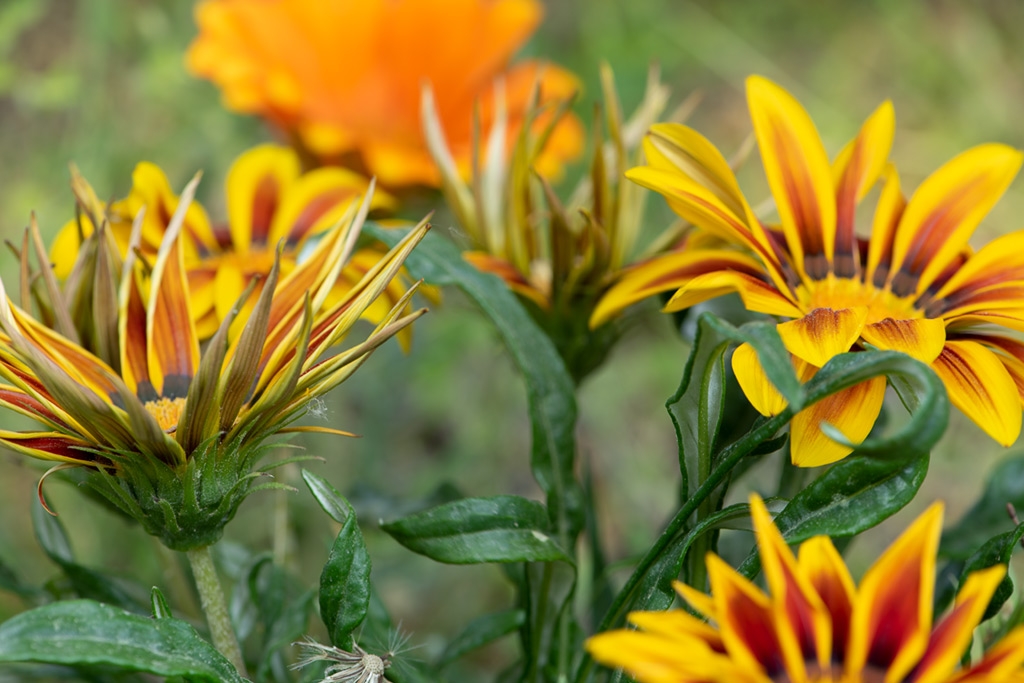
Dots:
{"x": 102, "y": 84}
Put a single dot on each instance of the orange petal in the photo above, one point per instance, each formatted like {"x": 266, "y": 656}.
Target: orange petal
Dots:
{"x": 798, "y": 173}
{"x": 998, "y": 262}
{"x": 744, "y": 619}
{"x": 922, "y": 338}
{"x": 856, "y": 170}
{"x": 951, "y": 637}
{"x": 516, "y": 281}
{"x": 893, "y": 615}
{"x": 256, "y": 184}
{"x": 755, "y": 384}
{"x": 823, "y": 333}
{"x": 316, "y": 200}
{"x": 802, "y": 623}
{"x": 1000, "y": 663}
{"x": 826, "y": 572}
{"x": 944, "y": 212}
{"x": 980, "y": 386}
{"x": 48, "y": 446}
{"x": 852, "y": 411}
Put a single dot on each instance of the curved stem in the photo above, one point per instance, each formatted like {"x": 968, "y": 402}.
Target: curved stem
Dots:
{"x": 729, "y": 458}
{"x": 211, "y": 596}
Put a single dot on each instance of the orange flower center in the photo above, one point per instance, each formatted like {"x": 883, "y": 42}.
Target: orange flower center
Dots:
{"x": 839, "y": 293}
{"x": 835, "y": 674}
{"x": 167, "y": 412}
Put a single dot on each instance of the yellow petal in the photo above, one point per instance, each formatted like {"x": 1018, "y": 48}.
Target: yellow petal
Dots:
{"x": 944, "y": 212}
{"x": 980, "y": 386}
{"x": 852, "y": 411}
{"x": 798, "y": 173}
{"x": 255, "y": 186}
{"x": 922, "y": 339}
{"x": 823, "y": 333}
{"x": 888, "y": 212}
{"x": 752, "y": 379}
{"x": 757, "y": 295}
{"x": 893, "y": 615}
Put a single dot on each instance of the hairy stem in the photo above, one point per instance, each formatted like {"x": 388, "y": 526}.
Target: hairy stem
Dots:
{"x": 211, "y": 596}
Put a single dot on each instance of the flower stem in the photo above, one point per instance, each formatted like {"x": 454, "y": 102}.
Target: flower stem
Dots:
{"x": 211, "y": 596}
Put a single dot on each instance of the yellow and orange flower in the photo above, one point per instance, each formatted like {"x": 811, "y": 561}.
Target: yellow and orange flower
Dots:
{"x": 180, "y": 428}
{"x": 270, "y": 201}
{"x": 345, "y": 76}
{"x": 814, "y": 625}
{"x": 913, "y": 286}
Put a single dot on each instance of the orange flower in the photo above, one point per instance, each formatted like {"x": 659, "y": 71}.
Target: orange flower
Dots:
{"x": 345, "y": 76}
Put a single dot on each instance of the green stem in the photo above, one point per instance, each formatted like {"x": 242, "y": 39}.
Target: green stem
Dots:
{"x": 211, "y": 596}
{"x": 729, "y": 459}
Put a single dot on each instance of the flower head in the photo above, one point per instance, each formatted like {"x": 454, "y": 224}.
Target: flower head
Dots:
{"x": 270, "y": 202}
{"x": 914, "y": 285}
{"x": 814, "y": 624}
{"x": 345, "y": 76}
{"x": 173, "y": 430}
{"x": 558, "y": 257}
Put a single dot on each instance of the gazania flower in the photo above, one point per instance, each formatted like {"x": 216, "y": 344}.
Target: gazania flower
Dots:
{"x": 559, "y": 258}
{"x": 171, "y": 431}
{"x": 344, "y": 77}
{"x": 814, "y": 625}
{"x": 914, "y": 285}
{"x": 270, "y": 201}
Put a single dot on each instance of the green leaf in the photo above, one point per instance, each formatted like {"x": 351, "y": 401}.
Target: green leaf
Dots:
{"x": 549, "y": 388}
{"x": 345, "y": 583}
{"x": 478, "y": 530}
{"x": 775, "y": 359}
{"x": 696, "y": 407}
{"x": 480, "y": 632}
{"x": 83, "y": 632}
{"x": 988, "y": 516}
{"x": 161, "y": 610}
{"x": 86, "y": 583}
{"x": 852, "y": 496}
{"x": 928, "y": 420}
{"x": 332, "y": 502}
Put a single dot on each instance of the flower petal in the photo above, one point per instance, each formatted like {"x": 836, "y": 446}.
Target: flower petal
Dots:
{"x": 944, "y": 212}
{"x": 922, "y": 338}
{"x": 826, "y": 572}
{"x": 516, "y": 281}
{"x": 752, "y": 379}
{"x": 757, "y": 295}
{"x": 798, "y": 173}
{"x": 256, "y": 185}
{"x": 823, "y": 333}
{"x": 1000, "y": 663}
{"x": 999, "y": 262}
{"x": 802, "y": 623}
{"x": 953, "y": 635}
{"x": 893, "y": 614}
{"x": 981, "y": 387}
{"x": 856, "y": 170}
{"x": 888, "y": 212}
{"x": 744, "y": 619}
{"x": 852, "y": 411}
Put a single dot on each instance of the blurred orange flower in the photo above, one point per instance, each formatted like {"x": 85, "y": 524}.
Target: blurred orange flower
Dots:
{"x": 344, "y": 77}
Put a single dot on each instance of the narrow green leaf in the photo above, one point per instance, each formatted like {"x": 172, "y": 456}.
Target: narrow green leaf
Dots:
{"x": 772, "y": 353}
{"x": 332, "y": 502}
{"x": 549, "y": 388}
{"x": 989, "y": 515}
{"x": 83, "y": 632}
{"x": 696, "y": 407}
{"x": 477, "y": 530}
{"x": 51, "y": 535}
{"x": 480, "y": 632}
{"x": 345, "y": 583}
{"x": 927, "y": 422}
{"x": 852, "y": 496}
{"x": 161, "y": 610}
